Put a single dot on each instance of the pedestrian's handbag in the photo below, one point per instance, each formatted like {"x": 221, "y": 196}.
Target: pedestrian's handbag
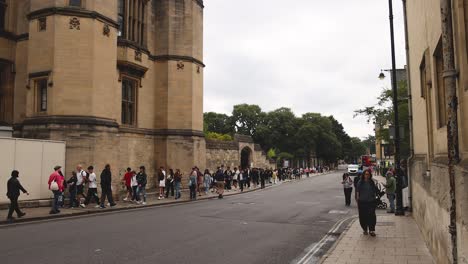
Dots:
{"x": 54, "y": 186}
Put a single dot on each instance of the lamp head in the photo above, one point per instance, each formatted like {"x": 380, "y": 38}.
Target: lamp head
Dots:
{"x": 381, "y": 76}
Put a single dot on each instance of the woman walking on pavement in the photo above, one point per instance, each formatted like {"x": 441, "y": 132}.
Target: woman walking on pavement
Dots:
{"x": 365, "y": 196}
{"x": 348, "y": 188}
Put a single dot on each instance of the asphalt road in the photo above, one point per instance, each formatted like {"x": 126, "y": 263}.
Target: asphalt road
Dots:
{"x": 277, "y": 225}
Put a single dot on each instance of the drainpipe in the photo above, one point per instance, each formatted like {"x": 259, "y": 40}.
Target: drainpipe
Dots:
{"x": 450, "y": 80}
{"x": 410, "y": 109}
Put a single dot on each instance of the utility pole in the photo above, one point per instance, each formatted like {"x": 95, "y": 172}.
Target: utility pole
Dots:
{"x": 399, "y": 191}
{"x": 450, "y": 81}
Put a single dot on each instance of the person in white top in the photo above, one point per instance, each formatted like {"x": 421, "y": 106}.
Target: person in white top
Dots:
{"x": 92, "y": 187}
{"x": 81, "y": 177}
{"x": 134, "y": 184}
{"x": 162, "y": 182}
{"x": 235, "y": 179}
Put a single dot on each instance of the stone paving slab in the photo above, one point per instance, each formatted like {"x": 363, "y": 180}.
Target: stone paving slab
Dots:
{"x": 398, "y": 240}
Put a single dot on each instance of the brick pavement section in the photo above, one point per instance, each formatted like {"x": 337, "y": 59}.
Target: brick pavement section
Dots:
{"x": 398, "y": 240}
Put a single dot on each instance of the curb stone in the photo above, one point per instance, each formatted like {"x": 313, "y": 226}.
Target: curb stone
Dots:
{"x": 335, "y": 244}
{"x": 4, "y": 223}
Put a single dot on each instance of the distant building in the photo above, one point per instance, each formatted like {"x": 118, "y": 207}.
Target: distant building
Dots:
{"x": 120, "y": 81}
{"x": 431, "y": 199}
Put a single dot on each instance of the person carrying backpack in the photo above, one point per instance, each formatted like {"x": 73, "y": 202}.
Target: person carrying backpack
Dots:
{"x": 81, "y": 177}
{"x": 55, "y": 183}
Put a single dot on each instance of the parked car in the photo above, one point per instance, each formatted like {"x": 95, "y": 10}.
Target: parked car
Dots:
{"x": 353, "y": 169}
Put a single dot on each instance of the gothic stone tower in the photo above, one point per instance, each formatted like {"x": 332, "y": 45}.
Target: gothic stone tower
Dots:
{"x": 120, "y": 81}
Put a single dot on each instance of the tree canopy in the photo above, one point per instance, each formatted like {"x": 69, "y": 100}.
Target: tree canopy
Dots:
{"x": 382, "y": 115}
{"x": 288, "y": 136}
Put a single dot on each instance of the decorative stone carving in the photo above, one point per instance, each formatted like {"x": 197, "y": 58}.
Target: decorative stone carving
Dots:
{"x": 42, "y": 23}
{"x": 137, "y": 55}
{"x": 74, "y": 23}
{"x": 106, "y": 30}
{"x": 180, "y": 65}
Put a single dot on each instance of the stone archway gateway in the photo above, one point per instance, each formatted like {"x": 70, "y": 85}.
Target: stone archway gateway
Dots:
{"x": 246, "y": 157}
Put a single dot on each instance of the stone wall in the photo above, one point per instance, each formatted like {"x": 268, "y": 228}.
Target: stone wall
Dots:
{"x": 228, "y": 153}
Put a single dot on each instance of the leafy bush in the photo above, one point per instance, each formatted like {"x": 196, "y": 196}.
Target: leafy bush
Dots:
{"x": 218, "y": 136}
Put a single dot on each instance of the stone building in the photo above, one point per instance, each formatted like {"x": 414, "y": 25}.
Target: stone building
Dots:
{"x": 121, "y": 81}
{"x": 428, "y": 167}
{"x": 242, "y": 152}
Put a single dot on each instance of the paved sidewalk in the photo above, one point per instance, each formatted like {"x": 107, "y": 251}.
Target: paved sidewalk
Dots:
{"x": 41, "y": 213}
{"x": 398, "y": 240}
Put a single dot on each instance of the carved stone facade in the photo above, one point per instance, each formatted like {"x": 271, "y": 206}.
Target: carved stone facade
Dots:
{"x": 428, "y": 166}
{"x": 106, "y": 82}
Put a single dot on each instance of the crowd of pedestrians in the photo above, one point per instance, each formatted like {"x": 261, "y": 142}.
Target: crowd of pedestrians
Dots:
{"x": 169, "y": 184}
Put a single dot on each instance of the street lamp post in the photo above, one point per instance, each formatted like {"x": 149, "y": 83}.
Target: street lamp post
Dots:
{"x": 399, "y": 191}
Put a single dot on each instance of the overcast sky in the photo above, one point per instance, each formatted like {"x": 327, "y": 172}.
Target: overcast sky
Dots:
{"x": 308, "y": 55}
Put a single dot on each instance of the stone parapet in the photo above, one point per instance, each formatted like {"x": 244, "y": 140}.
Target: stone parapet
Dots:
{"x": 218, "y": 144}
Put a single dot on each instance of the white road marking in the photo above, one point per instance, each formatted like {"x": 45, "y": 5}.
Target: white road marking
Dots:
{"x": 338, "y": 212}
{"x": 316, "y": 247}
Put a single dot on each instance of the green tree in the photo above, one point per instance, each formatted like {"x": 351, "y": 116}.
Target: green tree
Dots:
{"x": 277, "y": 130}
{"x": 218, "y": 123}
{"x": 358, "y": 148}
{"x": 382, "y": 114}
{"x": 245, "y": 118}
{"x": 343, "y": 138}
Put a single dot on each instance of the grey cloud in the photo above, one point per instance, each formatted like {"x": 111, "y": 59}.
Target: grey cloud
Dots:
{"x": 312, "y": 56}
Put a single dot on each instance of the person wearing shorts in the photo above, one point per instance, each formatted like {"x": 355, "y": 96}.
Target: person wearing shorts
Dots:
{"x": 81, "y": 178}
{"x": 220, "y": 183}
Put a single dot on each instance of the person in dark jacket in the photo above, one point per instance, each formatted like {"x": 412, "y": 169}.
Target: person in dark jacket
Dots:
{"x": 365, "y": 196}
{"x": 106, "y": 187}
{"x": 13, "y": 192}
{"x": 142, "y": 180}
{"x": 72, "y": 190}
{"x": 219, "y": 177}
{"x": 170, "y": 183}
